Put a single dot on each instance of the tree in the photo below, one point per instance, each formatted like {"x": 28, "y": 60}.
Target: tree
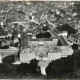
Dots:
{"x": 68, "y": 28}
{"x": 34, "y": 66}
{"x": 59, "y": 68}
{"x": 30, "y": 68}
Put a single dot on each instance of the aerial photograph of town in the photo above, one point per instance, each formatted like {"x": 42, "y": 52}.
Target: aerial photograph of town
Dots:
{"x": 39, "y": 40}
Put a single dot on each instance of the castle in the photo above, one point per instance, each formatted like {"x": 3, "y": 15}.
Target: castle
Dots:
{"x": 45, "y": 48}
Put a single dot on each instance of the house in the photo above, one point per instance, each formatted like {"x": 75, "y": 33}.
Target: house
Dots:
{"x": 64, "y": 33}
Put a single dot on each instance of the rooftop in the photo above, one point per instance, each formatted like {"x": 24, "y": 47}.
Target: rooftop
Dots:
{"x": 42, "y": 39}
